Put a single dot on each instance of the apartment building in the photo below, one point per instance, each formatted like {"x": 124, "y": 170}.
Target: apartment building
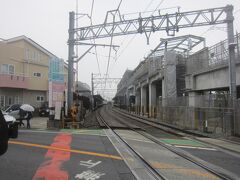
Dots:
{"x": 30, "y": 74}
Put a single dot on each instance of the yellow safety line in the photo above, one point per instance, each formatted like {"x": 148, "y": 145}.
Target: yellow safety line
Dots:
{"x": 154, "y": 164}
{"x": 68, "y": 150}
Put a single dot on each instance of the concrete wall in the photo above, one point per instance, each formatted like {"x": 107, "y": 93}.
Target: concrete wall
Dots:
{"x": 215, "y": 79}
{"x": 30, "y": 97}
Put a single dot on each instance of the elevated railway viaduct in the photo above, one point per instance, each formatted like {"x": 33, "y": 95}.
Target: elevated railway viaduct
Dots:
{"x": 184, "y": 89}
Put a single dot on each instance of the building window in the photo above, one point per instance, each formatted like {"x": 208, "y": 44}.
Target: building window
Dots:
{"x": 32, "y": 55}
{"x": 4, "y": 68}
{"x": 7, "y": 69}
{"x": 27, "y": 54}
{"x": 40, "y": 98}
{"x": 2, "y": 101}
{"x": 10, "y": 101}
{"x": 16, "y": 100}
{"x": 37, "y": 74}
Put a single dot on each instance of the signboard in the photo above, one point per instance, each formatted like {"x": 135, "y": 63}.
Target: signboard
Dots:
{"x": 58, "y": 106}
{"x": 56, "y": 70}
{"x": 56, "y": 81}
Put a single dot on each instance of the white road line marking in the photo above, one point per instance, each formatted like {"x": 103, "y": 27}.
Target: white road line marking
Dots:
{"x": 194, "y": 147}
{"x": 139, "y": 140}
{"x": 39, "y": 131}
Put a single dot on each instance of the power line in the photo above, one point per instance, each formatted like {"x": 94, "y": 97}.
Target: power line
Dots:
{"x": 158, "y": 6}
{"x": 212, "y": 27}
{"x": 119, "y": 5}
{"x": 110, "y": 50}
{"x": 149, "y": 4}
{"x": 150, "y": 11}
{"x": 106, "y": 56}
{"x": 95, "y": 48}
{"x": 111, "y": 41}
{"x": 77, "y": 46}
{"x": 130, "y": 41}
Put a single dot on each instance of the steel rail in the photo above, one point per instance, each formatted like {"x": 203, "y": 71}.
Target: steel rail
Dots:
{"x": 181, "y": 154}
{"x": 152, "y": 170}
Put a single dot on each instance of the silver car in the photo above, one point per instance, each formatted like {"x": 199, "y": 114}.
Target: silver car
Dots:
{"x": 13, "y": 110}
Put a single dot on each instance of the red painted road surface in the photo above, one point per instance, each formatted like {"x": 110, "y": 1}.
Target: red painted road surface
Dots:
{"x": 51, "y": 168}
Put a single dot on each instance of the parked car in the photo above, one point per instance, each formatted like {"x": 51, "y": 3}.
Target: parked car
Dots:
{"x": 44, "y": 109}
{"x": 13, "y": 110}
{"x": 8, "y": 129}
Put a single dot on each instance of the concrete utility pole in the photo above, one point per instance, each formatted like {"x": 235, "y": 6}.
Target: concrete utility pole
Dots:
{"x": 232, "y": 64}
{"x": 70, "y": 59}
{"x": 231, "y": 47}
{"x": 92, "y": 85}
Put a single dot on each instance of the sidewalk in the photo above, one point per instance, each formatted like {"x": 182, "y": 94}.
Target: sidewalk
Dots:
{"x": 37, "y": 123}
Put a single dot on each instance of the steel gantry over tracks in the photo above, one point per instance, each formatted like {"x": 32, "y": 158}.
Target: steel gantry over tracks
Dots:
{"x": 104, "y": 86}
{"x": 171, "y": 23}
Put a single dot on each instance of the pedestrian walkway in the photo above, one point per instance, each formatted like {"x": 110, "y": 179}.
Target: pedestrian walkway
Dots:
{"x": 37, "y": 123}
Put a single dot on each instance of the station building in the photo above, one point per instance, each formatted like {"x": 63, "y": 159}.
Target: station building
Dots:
{"x": 29, "y": 73}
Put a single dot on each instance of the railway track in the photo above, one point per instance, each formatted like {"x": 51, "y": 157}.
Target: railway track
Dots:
{"x": 155, "y": 174}
{"x": 144, "y": 131}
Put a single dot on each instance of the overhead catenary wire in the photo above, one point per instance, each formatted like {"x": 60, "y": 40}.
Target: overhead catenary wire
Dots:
{"x": 111, "y": 41}
{"x": 102, "y": 55}
{"x": 77, "y": 46}
{"x": 150, "y": 11}
{"x": 212, "y": 27}
{"x": 136, "y": 34}
{"x": 95, "y": 48}
{"x": 129, "y": 42}
{"x": 133, "y": 37}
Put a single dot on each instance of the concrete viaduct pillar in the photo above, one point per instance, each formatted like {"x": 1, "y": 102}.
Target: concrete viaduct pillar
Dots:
{"x": 137, "y": 101}
{"x": 152, "y": 99}
{"x": 143, "y": 100}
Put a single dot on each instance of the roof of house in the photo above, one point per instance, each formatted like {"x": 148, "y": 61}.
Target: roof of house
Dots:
{"x": 36, "y": 45}
{"x": 32, "y": 42}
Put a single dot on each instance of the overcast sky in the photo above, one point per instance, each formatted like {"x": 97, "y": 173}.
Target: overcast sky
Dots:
{"x": 46, "y": 22}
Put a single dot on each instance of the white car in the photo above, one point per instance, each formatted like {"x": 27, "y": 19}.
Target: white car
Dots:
{"x": 8, "y": 129}
{"x": 9, "y": 118}
{"x": 13, "y": 110}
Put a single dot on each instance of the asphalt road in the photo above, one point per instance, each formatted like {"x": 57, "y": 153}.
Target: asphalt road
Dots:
{"x": 59, "y": 155}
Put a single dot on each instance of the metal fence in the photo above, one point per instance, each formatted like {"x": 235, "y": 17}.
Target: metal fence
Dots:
{"x": 237, "y": 118}
{"x": 213, "y": 57}
{"x": 211, "y": 114}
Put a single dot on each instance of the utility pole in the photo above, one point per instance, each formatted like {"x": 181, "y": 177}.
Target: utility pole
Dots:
{"x": 231, "y": 65}
{"x": 231, "y": 47}
{"x": 70, "y": 59}
{"x": 92, "y": 86}
{"x": 92, "y": 93}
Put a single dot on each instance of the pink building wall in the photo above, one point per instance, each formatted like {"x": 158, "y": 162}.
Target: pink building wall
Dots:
{"x": 14, "y": 81}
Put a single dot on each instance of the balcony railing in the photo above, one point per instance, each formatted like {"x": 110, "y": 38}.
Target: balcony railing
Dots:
{"x": 14, "y": 81}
